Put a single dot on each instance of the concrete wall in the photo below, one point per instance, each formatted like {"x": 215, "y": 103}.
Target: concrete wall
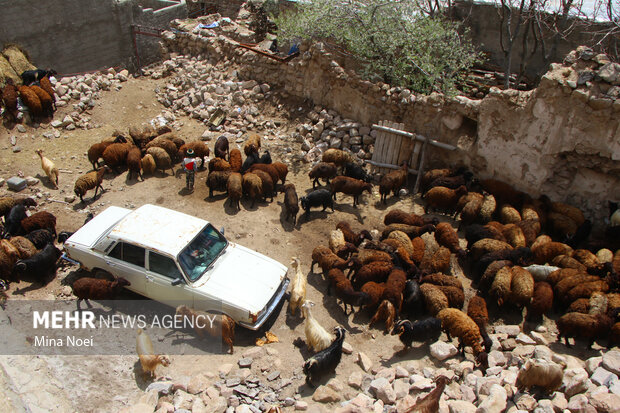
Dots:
{"x": 76, "y": 35}
{"x": 560, "y": 139}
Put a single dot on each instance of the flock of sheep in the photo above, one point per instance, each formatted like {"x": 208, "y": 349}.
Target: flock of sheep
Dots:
{"x": 36, "y": 92}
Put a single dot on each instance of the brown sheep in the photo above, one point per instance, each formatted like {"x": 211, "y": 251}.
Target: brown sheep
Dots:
{"x": 336, "y": 156}
{"x": 47, "y": 105}
{"x": 485, "y": 246}
{"x": 166, "y": 144}
{"x": 344, "y": 290}
{"x": 521, "y": 286}
{"x": 580, "y": 305}
{"x": 291, "y": 202}
{"x": 392, "y": 182}
{"x": 434, "y": 298}
{"x": 115, "y": 155}
{"x": 39, "y": 220}
{"x": 134, "y": 162}
{"x": 213, "y": 325}
{"x": 540, "y": 373}
{"x": 398, "y": 216}
{"x": 199, "y": 147}
{"x": 47, "y": 86}
{"x": 442, "y": 279}
{"x": 564, "y": 261}
{"x": 96, "y": 151}
{"x": 234, "y": 187}
{"x": 235, "y": 160}
{"x": 569, "y": 211}
{"x": 267, "y": 183}
{"x": 376, "y": 271}
{"x": 509, "y": 214}
{"x": 530, "y": 229}
{"x": 577, "y": 325}
{"x": 487, "y": 208}
{"x": 24, "y": 246}
{"x": 8, "y": 202}
{"x": 546, "y": 252}
{"x": 326, "y": 259}
{"x": 477, "y": 311}
{"x": 455, "y": 296}
{"x": 431, "y": 175}
{"x": 322, "y": 170}
{"x": 89, "y": 181}
{"x": 439, "y": 262}
{"x": 500, "y": 288}
{"x": 282, "y": 170}
{"x": 458, "y": 324}
{"x": 252, "y": 187}
{"x": 31, "y": 100}
{"x": 566, "y": 284}
{"x": 446, "y": 236}
{"x": 349, "y": 186}
{"x": 585, "y": 290}
{"x": 586, "y": 258}
{"x": 375, "y": 292}
{"x": 514, "y": 235}
{"x": 542, "y": 301}
{"x": 558, "y": 275}
{"x": 350, "y": 236}
{"x": 470, "y": 211}
{"x": 148, "y": 164}
{"x": 218, "y": 164}
{"x": 411, "y": 230}
{"x": 561, "y": 225}
{"x": 419, "y": 248}
{"x": 8, "y": 96}
{"x": 540, "y": 240}
{"x": 403, "y": 241}
{"x": 487, "y": 277}
{"x": 365, "y": 256}
{"x": 217, "y": 181}
{"x": 503, "y": 192}
{"x": 443, "y": 198}
{"x": 252, "y": 144}
{"x": 87, "y": 288}
{"x": 162, "y": 159}
{"x": 394, "y": 287}
{"x": 269, "y": 168}
{"x": 386, "y": 312}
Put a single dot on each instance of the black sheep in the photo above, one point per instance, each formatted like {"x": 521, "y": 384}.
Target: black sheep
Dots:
{"x": 319, "y": 197}
{"x": 413, "y": 302}
{"x": 265, "y": 158}
{"x": 325, "y": 361}
{"x": 427, "y": 330}
{"x": 40, "y": 238}
{"x": 41, "y": 265}
{"x": 356, "y": 171}
{"x": 14, "y": 218}
{"x": 64, "y": 235}
{"x": 221, "y": 148}
{"x": 582, "y": 233}
{"x": 31, "y": 76}
{"x": 476, "y": 232}
{"x": 249, "y": 161}
{"x": 519, "y": 256}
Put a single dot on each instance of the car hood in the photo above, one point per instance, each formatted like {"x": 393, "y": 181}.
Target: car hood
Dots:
{"x": 242, "y": 277}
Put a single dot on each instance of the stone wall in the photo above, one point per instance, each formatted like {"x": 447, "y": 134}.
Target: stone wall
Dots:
{"x": 79, "y": 35}
{"x": 561, "y": 139}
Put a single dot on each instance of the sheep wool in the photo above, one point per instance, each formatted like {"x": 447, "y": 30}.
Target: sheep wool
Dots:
{"x": 540, "y": 373}
{"x": 317, "y": 338}
{"x": 500, "y": 288}
{"x": 485, "y": 246}
{"x": 31, "y": 100}
{"x": 234, "y": 159}
{"x": 458, "y": 324}
{"x": 148, "y": 164}
{"x": 234, "y": 187}
{"x": 161, "y": 157}
{"x": 434, "y": 298}
{"x": 521, "y": 286}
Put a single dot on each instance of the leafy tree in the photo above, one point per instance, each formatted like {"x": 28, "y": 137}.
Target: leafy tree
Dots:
{"x": 396, "y": 41}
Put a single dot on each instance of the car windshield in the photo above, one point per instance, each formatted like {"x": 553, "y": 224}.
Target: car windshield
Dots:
{"x": 198, "y": 256}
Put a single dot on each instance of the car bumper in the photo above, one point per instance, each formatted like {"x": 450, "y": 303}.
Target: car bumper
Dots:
{"x": 271, "y": 306}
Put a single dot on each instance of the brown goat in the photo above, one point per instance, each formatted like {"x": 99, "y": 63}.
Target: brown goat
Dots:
{"x": 213, "y": 325}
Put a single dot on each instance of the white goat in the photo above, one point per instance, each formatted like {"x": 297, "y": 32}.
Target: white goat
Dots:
{"x": 298, "y": 288}
{"x": 317, "y": 338}
{"x": 50, "y": 169}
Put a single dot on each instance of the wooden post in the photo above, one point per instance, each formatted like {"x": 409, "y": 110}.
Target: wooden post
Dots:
{"x": 420, "y": 167}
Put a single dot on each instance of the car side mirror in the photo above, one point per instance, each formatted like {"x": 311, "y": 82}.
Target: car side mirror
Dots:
{"x": 222, "y": 230}
{"x": 176, "y": 281}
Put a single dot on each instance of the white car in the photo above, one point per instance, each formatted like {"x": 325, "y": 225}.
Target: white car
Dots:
{"x": 175, "y": 258}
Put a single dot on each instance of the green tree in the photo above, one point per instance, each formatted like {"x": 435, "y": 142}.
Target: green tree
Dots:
{"x": 395, "y": 41}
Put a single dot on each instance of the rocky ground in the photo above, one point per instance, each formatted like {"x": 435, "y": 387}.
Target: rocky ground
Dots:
{"x": 374, "y": 375}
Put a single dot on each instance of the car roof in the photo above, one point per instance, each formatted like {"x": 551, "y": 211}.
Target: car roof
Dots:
{"x": 158, "y": 228}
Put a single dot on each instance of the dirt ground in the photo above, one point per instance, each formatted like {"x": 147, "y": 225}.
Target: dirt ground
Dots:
{"x": 107, "y": 383}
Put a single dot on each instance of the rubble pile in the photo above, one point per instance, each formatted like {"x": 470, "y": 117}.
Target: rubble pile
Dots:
{"x": 257, "y": 385}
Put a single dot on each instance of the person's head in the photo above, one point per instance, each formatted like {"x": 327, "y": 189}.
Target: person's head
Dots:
{"x": 190, "y": 152}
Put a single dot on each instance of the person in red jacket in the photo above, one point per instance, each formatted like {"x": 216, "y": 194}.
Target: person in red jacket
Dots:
{"x": 189, "y": 165}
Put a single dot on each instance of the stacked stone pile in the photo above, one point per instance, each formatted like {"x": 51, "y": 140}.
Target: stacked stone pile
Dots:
{"x": 257, "y": 384}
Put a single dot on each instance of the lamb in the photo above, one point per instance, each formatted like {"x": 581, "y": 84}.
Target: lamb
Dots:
{"x": 398, "y": 216}
{"x": 469, "y": 206}
{"x": 89, "y": 181}
{"x": 148, "y": 359}
{"x": 31, "y": 100}
{"x": 531, "y": 230}
{"x": 50, "y": 169}
{"x": 96, "y": 151}
{"x": 577, "y": 325}
{"x": 456, "y": 323}
{"x": 325, "y": 361}
{"x": 47, "y": 105}
{"x": 542, "y": 301}
{"x": 386, "y": 312}
{"x": 282, "y": 170}
{"x": 291, "y": 202}
{"x": 587, "y": 258}
{"x": 392, "y": 182}
{"x": 443, "y": 198}
{"x": 298, "y": 288}
{"x": 148, "y": 164}
{"x": 46, "y": 85}
{"x": 442, "y": 279}
{"x": 234, "y": 187}
{"x": 88, "y": 288}
{"x": 349, "y": 186}
{"x": 564, "y": 261}
{"x": 252, "y": 186}
{"x": 213, "y": 325}
{"x": 585, "y": 290}
{"x": 521, "y": 286}
{"x": 234, "y": 159}
{"x": 326, "y": 259}
{"x": 476, "y": 232}
{"x": 40, "y": 238}
{"x": 40, "y": 265}
{"x": 427, "y": 330}
{"x": 488, "y": 275}
{"x": 221, "y": 149}
{"x": 365, "y": 256}
{"x": 434, "y": 298}
{"x": 540, "y": 373}
{"x": 411, "y": 230}
{"x": 350, "y": 236}
{"x": 252, "y": 144}
{"x": 217, "y": 181}
{"x": 430, "y": 175}
{"x": 323, "y": 170}
{"x": 115, "y": 155}
{"x": 353, "y": 170}
{"x": 218, "y": 164}
{"x": 317, "y": 338}
{"x": 39, "y": 220}
{"x": 446, "y": 236}
{"x": 315, "y": 198}
{"x": 557, "y": 276}
{"x": 375, "y": 292}
{"x": 336, "y": 156}
{"x": 394, "y": 287}
{"x": 161, "y": 157}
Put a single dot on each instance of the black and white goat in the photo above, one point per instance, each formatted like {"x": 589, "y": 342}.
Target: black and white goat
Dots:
{"x": 325, "y": 361}
{"x": 427, "y": 330}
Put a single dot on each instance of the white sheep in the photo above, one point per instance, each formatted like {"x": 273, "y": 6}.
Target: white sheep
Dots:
{"x": 317, "y": 338}
{"x": 50, "y": 169}
{"x": 540, "y": 373}
{"x": 540, "y": 272}
{"x": 598, "y": 303}
{"x": 336, "y": 240}
{"x": 298, "y": 288}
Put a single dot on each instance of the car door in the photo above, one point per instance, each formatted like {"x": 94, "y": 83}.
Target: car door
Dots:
{"x": 162, "y": 270}
{"x": 127, "y": 260}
